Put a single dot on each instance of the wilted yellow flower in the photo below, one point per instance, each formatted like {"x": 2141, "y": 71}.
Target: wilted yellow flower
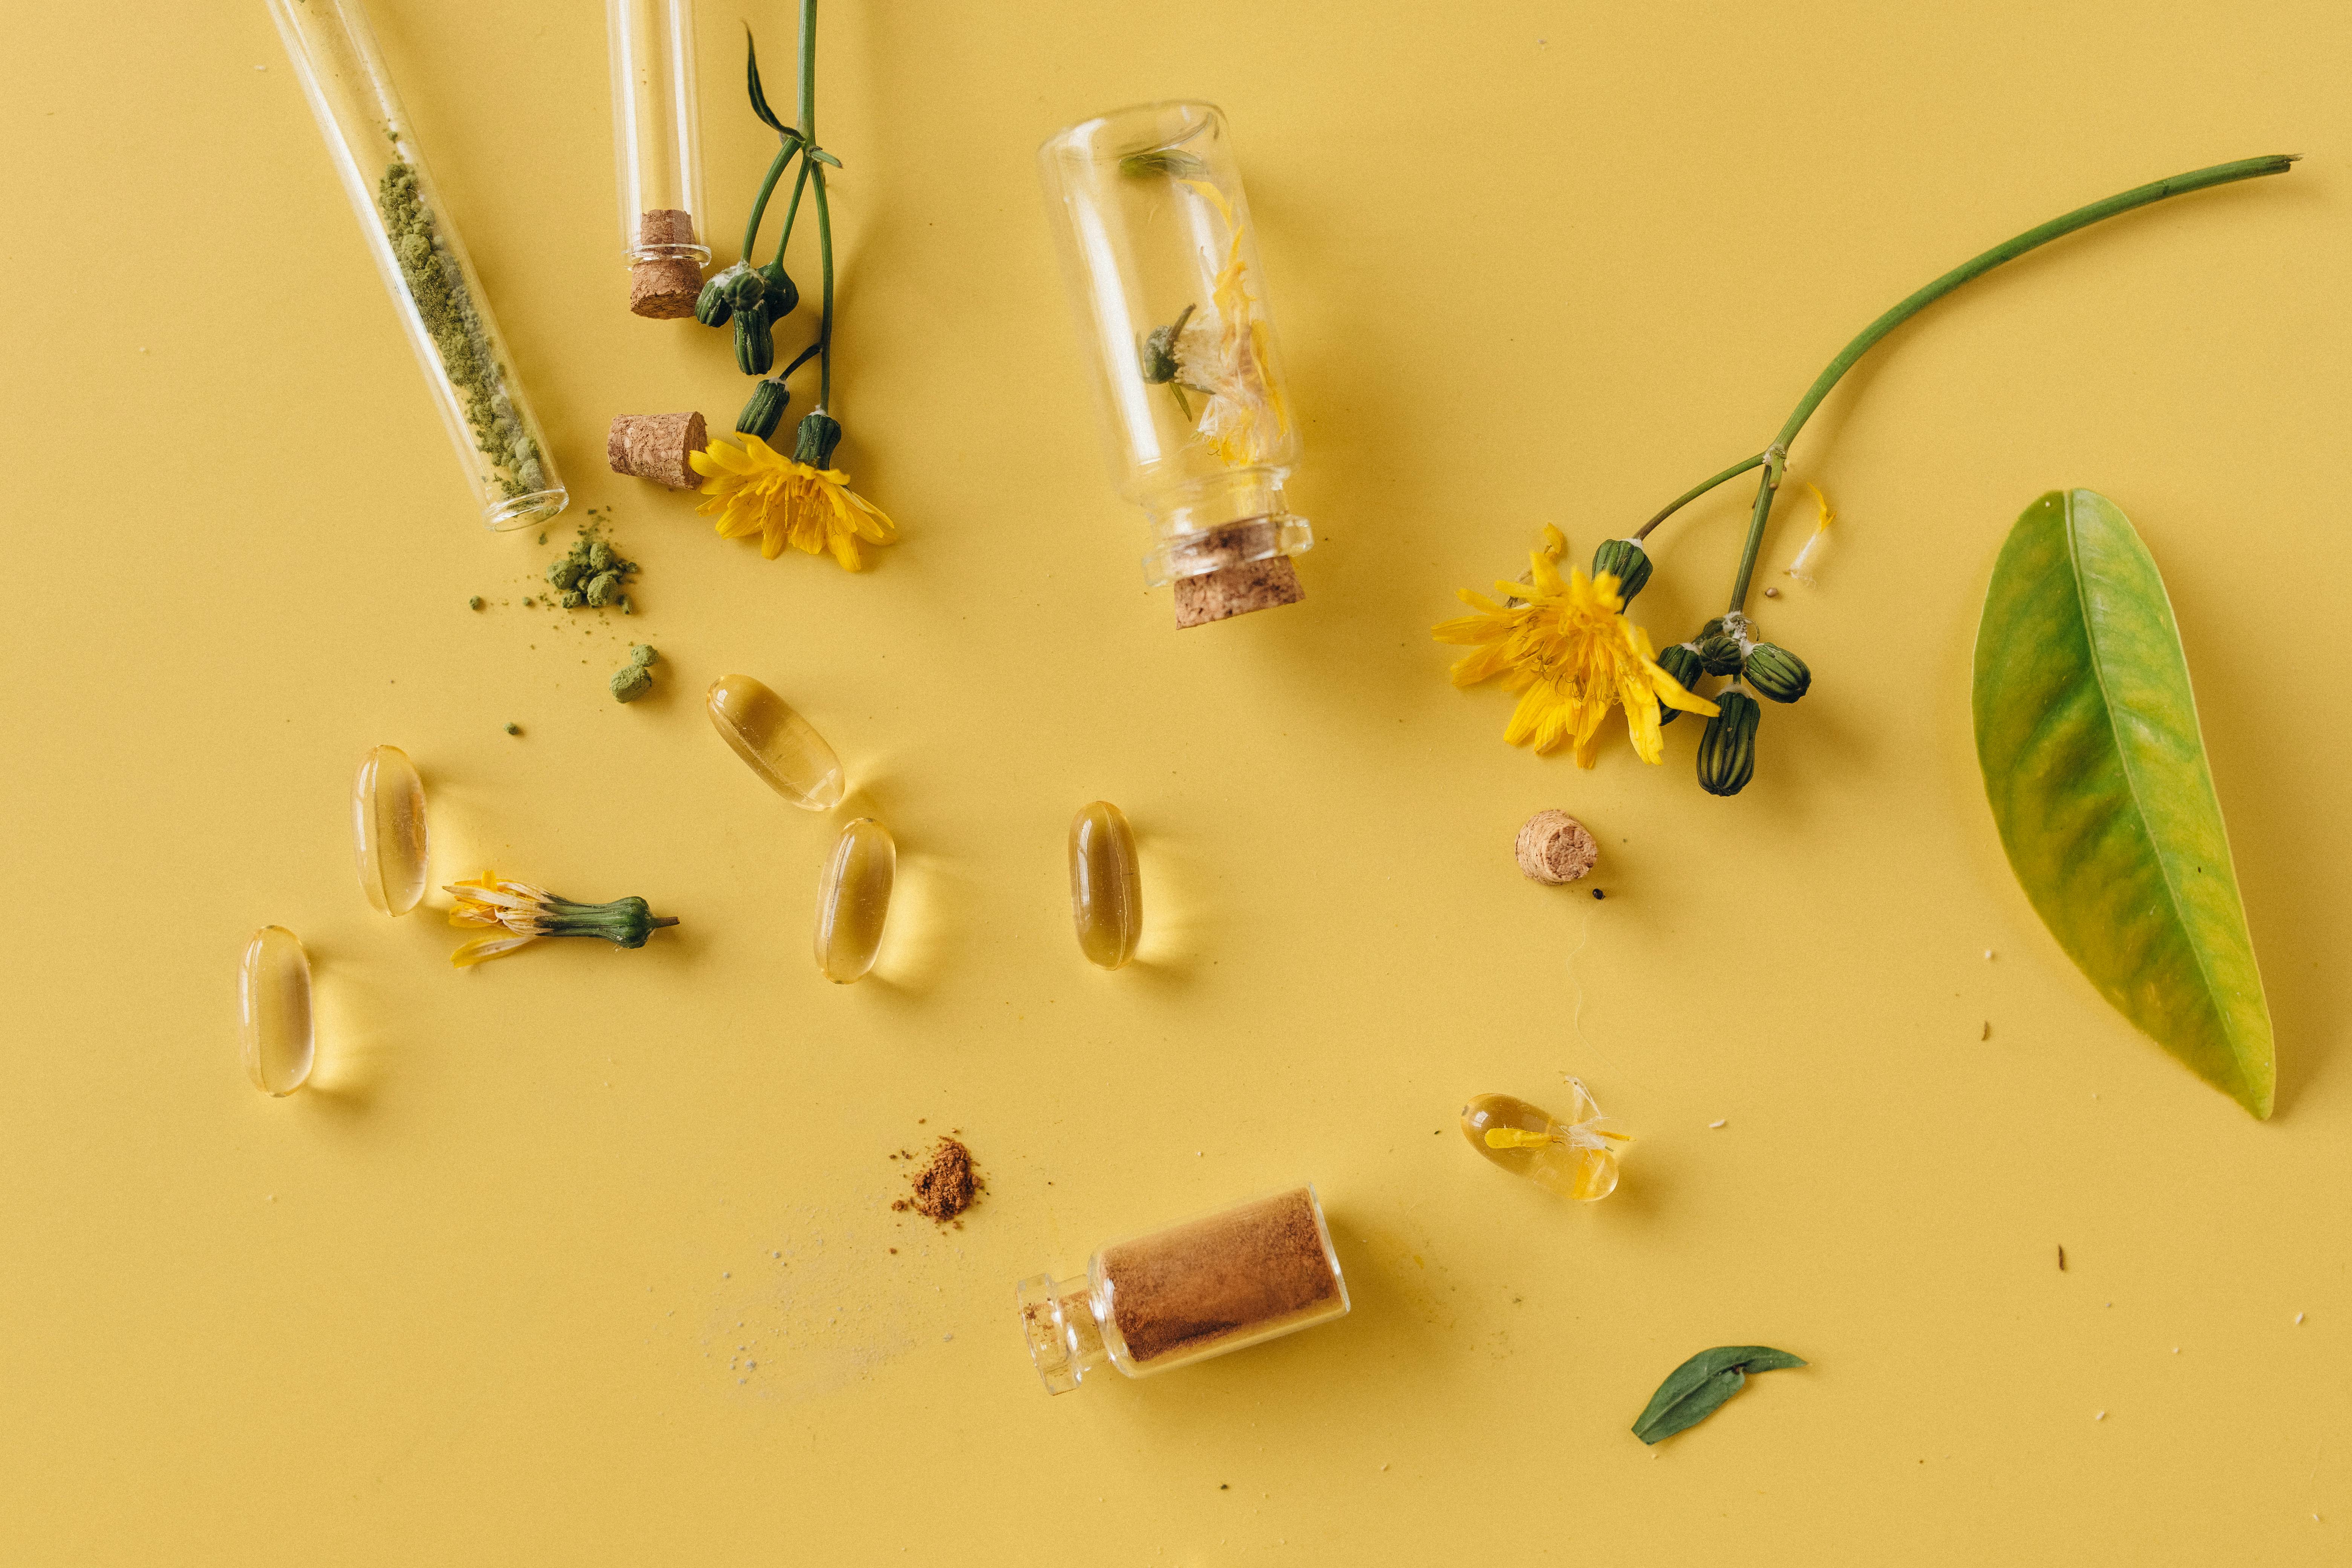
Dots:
{"x": 526, "y": 914}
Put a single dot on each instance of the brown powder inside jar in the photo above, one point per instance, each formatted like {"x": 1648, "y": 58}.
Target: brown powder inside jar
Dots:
{"x": 948, "y": 1184}
{"x": 1249, "y": 1271}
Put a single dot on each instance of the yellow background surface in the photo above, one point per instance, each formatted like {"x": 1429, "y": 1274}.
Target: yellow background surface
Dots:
{"x": 482, "y": 1294}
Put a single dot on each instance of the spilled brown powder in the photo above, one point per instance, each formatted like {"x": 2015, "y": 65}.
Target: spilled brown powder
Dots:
{"x": 948, "y": 1184}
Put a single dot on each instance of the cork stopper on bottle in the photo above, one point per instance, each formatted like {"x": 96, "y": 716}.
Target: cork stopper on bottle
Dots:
{"x": 1235, "y": 587}
{"x": 656, "y": 447}
{"x": 665, "y": 287}
{"x": 1554, "y": 848}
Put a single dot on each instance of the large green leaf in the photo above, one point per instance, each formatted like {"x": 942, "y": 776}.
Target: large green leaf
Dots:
{"x": 2086, "y": 730}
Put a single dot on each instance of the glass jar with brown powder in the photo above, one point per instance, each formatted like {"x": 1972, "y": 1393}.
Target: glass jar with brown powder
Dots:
{"x": 1257, "y": 1269}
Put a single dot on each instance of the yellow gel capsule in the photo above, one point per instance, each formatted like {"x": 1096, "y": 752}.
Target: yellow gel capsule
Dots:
{"x": 780, "y": 746}
{"x": 1106, "y": 893}
{"x": 1576, "y": 1158}
{"x": 388, "y": 829}
{"x": 853, "y": 900}
{"x": 273, "y": 1010}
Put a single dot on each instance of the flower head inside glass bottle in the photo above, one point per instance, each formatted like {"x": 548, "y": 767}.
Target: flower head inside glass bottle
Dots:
{"x": 1162, "y": 260}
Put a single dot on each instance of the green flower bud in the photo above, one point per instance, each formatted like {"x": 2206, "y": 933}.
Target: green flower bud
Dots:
{"x": 1626, "y": 561}
{"x": 820, "y": 433}
{"x": 1681, "y": 661}
{"x": 1719, "y": 652}
{"x": 715, "y": 304}
{"x": 1727, "y": 752}
{"x": 1777, "y": 673}
{"x": 783, "y": 294}
{"x": 765, "y": 411}
{"x": 745, "y": 287}
{"x": 755, "y": 345}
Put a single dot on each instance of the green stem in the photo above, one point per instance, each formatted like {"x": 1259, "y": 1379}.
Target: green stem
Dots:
{"x": 793, "y": 208}
{"x": 824, "y": 324}
{"x": 760, "y": 205}
{"x": 2032, "y": 238}
{"x": 1695, "y": 491}
{"x": 808, "y": 71}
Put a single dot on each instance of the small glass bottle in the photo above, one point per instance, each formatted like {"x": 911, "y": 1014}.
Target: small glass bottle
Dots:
{"x": 1235, "y": 1277}
{"x": 657, "y": 148}
{"x": 423, "y": 261}
{"x": 1162, "y": 266}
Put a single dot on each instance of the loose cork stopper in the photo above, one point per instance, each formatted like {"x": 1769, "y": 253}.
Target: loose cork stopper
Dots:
{"x": 655, "y": 446}
{"x": 1238, "y": 586}
{"x": 1554, "y": 848}
{"x": 665, "y": 288}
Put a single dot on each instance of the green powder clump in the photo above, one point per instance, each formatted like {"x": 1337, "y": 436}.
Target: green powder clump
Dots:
{"x": 636, "y": 677}
{"x": 475, "y": 603}
{"x": 514, "y": 729}
{"x": 592, "y": 573}
{"x": 437, "y": 289}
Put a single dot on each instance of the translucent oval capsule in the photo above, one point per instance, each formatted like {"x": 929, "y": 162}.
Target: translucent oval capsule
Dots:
{"x": 273, "y": 1010}
{"x": 780, "y": 746}
{"x": 1106, "y": 892}
{"x": 388, "y": 830}
{"x": 1576, "y": 1158}
{"x": 853, "y": 900}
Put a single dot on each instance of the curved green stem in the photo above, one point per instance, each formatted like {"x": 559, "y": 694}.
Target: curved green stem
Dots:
{"x": 824, "y": 324}
{"x": 1695, "y": 491}
{"x": 793, "y": 208}
{"x": 1977, "y": 266}
{"x": 759, "y": 204}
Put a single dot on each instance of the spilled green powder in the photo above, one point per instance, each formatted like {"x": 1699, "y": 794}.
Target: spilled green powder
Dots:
{"x": 592, "y": 573}
{"x": 636, "y": 677}
{"x": 437, "y": 288}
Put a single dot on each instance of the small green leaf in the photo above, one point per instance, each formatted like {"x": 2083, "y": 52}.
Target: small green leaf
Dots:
{"x": 758, "y": 97}
{"x": 1692, "y": 1391}
{"x": 1173, "y": 161}
{"x": 822, "y": 156}
{"x": 2094, "y": 767}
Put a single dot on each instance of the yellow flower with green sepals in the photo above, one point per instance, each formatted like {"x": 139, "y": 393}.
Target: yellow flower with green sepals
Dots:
{"x": 1565, "y": 645}
{"x": 524, "y": 914}
{"x": 794, "y": 501}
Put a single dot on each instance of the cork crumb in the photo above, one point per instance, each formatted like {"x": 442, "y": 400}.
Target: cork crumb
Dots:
{"x": 948, "y": 1184}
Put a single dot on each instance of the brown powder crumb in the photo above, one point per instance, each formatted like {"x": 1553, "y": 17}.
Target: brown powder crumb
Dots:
{"x": 948, "y": 1184}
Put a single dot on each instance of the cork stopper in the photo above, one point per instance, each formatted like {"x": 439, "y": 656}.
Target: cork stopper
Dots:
{"x": 665, "y": 287}
{"x": 1554, "y": 848}
{"x": 655, "y": 446}
{"x": 1236, "y": 587}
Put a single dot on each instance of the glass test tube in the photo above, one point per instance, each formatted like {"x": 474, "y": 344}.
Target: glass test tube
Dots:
{"x": 423, "y": 261}
{"x": 657, "y": 150}
{"x": 1162, "y": 265}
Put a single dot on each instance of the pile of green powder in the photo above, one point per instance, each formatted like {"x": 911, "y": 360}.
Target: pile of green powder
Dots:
{"x": 592, "y": 573}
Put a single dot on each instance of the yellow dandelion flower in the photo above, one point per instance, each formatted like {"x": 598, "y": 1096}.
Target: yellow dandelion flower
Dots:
{"x": 1566, "y": 646}
{"x": 755, "y": 489}
{"x": 524, "y": 914}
